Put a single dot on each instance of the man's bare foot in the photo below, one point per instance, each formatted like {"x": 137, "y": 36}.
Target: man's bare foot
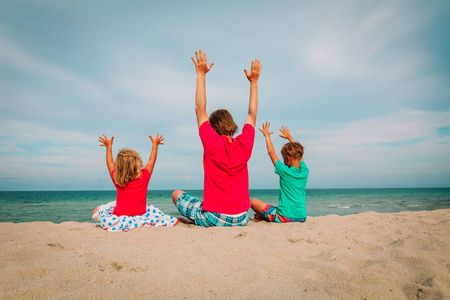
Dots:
{"x": 185, "y": 221}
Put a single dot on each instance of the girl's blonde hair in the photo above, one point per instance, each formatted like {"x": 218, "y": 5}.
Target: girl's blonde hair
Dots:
{"x": 128, "y": 167}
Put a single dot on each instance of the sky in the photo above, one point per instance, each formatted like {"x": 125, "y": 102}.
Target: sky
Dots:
{"x": 363, "y": 85}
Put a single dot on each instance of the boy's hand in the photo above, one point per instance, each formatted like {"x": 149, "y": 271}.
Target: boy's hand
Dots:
{"x": 253, "y": 76}
{"x": 265, "y": 129}
{"x": 105, "y": 141}
{"x": 285, "y": 134}
{"x": 157, "y": 140}
{"x": 201, "y": 67}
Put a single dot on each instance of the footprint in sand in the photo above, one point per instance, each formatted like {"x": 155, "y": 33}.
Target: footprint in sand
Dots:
{"x": 241, "y": 234}
{"x": 56, "y": 245}
{"x": 116, "y": 266}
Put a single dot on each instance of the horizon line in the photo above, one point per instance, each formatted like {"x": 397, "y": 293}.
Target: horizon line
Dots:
{"x": 317, "y": 188}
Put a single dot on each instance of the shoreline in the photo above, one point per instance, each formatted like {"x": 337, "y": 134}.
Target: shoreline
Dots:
{"x": 366, "y": 255}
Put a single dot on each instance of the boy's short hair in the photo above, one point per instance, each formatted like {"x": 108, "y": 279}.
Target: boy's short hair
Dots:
{"x": 292, "y": 149}
{"x": 222, "y": 122}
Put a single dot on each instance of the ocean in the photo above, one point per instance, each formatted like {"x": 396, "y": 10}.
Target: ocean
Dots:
{"x": 77, "y": 206}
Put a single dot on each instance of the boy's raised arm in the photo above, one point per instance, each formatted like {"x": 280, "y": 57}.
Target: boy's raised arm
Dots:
{"x": 270, "y": 148}
{"x": 253, "y": 77}
{"x": 286, "y": 135}
{"x": 201, "y": 67}
{"x": 109, "y": 158}
{"x": 152, "y": 160}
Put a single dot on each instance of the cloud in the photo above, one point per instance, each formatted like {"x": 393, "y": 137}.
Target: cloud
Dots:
{"x": 15, "y": 56}
{"x": 30, "y": 132}
{"x": 357, "y": 77}
{"x": 403, "y": 125}
{"x": 368, "y": 151}
{"x": 404, "y": 142}
{"x": 166, "y": 84}
{"x": 355, "y": 42}
{"x": 443, "y": 131}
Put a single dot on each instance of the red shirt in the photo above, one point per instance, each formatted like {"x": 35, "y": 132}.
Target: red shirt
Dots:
{"x": 131, "y": 199}
{"x": 225, "y": 166}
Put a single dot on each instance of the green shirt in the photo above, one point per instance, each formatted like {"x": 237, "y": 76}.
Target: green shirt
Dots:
{"x": 292, "y": 190}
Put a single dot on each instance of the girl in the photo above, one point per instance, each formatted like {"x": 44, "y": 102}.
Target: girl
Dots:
{"x": 130, "y": 210}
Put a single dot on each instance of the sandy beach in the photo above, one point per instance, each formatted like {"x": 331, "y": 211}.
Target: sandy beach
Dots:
{"x": 365, "y": 256}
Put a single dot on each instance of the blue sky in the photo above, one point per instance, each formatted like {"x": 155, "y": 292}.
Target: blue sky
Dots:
{"x": 363, "y": 85}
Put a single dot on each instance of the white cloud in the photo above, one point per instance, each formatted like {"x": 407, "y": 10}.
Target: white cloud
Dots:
{"x": 13, "y": 55}
{"x": 30, "y": 132}
{"x": 404, "y": 125}
{"x": 369, "y": 151}
{"x": 167, "y": 86}
{"x": 356, "y": 44}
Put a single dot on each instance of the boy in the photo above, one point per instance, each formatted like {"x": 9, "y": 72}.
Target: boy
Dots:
{"x": 226, "y": 198}
{"x": 293, "y": 177}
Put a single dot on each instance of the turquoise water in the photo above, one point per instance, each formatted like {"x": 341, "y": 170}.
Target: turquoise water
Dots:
{"x": 62, "y": 206}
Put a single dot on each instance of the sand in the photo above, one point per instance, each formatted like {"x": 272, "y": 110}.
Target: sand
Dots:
{"x": 365, "y": 256}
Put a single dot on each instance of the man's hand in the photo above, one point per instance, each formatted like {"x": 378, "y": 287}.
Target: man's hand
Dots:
{"x": 253, "y": 76}
{"x": 201, "y": 66}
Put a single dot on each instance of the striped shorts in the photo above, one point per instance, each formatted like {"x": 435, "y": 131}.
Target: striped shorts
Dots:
{"x": 270, "y": 213}
{"x": 192, "y": 208}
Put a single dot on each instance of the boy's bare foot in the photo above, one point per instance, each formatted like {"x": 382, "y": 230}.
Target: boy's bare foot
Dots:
{"x": 185, "y": 221}
{"x": 258, "y": 218}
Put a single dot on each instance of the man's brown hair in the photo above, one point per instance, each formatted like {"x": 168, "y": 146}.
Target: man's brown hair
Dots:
{"x": 222, "y": 122}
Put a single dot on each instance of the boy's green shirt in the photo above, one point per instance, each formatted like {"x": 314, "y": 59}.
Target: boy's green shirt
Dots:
{"x": 292, "y": 190}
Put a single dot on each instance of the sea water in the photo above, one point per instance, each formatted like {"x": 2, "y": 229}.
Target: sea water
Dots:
{"x": 62, "y": 206}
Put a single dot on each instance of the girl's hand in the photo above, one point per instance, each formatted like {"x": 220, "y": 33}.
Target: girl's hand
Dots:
{"x": 157, "y": 140}
{"x": 201, "y": 67}
{"x": 265, "y": 129}
{"x": 105, "y": 141}
{"x": 253, "y": 76}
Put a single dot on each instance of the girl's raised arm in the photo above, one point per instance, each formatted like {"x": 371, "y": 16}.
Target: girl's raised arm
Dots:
{"x": 152, "y": 160}
{"x": 109, "y": 158}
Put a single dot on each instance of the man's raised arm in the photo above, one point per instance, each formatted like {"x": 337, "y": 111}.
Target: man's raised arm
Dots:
{"x": 253, "y": 77}
{"x": 201, "y": 67}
